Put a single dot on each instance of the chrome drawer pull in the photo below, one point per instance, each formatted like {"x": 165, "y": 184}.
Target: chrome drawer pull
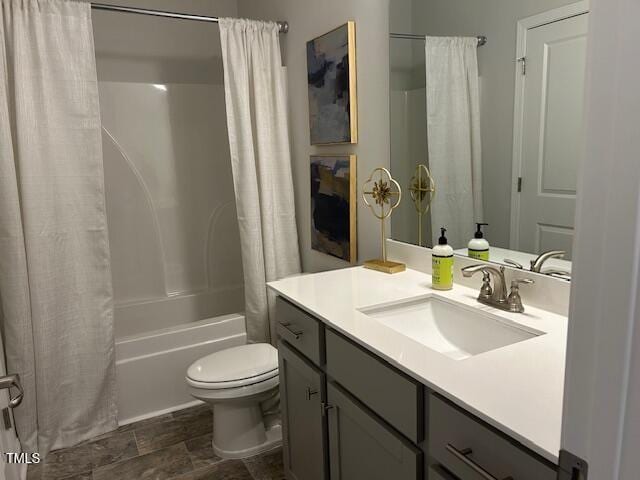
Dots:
{"x": 296, "y": 333}
{"x": 463, "y": 456}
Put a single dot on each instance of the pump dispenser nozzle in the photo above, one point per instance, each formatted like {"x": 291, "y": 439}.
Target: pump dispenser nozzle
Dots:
{"x": 442, "y": 240}
{"x": 479, "y": 233}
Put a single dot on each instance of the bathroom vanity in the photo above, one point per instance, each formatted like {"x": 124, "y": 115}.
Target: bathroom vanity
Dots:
{"x": 382, "y": 377}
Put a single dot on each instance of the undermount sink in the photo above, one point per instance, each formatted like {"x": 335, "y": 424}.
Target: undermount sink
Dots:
{"x": 450, "y": 328}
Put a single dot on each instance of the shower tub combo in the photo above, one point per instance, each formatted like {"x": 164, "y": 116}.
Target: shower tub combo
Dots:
{"x": 174, "y": 241}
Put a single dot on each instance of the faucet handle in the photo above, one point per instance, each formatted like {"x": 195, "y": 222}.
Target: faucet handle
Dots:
{"x": 513, "y": 263}
{"x": 516, "y": 282}
{"x": 514, "y": 301}
{"x": 486, "y": 291}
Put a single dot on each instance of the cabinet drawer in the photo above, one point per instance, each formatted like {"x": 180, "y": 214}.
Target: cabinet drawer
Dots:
{"x": 467, "y": 448}
{"x": 362, "y": 447}
{"x": 397, "y": 398}
{"x": 301, "y": 330}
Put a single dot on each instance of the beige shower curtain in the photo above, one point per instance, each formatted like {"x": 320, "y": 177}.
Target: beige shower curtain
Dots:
{"x": 255, "y": 98}
{"x": 55, "y": 281}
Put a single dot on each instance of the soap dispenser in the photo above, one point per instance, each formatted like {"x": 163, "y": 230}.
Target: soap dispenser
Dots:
{"x": 442, "y": 264}
{"x": 478, "y": 248}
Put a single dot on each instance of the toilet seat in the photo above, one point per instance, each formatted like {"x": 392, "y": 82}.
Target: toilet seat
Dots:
{"x": 244, "y": 382}
{"x": 203, "y": 392}
{"x": 235, "y": 368}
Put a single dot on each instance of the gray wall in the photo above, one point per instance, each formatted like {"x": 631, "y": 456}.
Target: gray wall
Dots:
{"x": 497, "y": 19}
{"x": 137, "y": 48}
{"x": 309, "y": 19}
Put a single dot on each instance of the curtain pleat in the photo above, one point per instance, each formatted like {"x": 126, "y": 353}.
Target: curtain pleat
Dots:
{"x": 453, "y": 135}
{"x": 55, "y": 279}
{"x": 261, "y": 161}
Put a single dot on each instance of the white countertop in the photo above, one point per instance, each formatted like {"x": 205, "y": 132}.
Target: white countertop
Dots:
{"x": 517, "y": 389}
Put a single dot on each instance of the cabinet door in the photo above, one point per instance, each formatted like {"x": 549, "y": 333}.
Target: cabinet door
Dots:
{"x": 362, "y": 447}
{"x": 304, "y": 425}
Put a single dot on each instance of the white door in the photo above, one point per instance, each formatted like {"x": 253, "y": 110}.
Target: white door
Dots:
{"x": 552, "y": 133}
{"x": 8, "y": 439}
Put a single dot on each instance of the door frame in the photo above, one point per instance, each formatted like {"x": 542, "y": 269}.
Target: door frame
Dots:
{"x": 601, "y": 419}
{"x": 524, "y": 25}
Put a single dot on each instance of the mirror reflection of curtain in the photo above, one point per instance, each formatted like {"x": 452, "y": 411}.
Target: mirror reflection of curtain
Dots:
{"x": 453, "y": 130}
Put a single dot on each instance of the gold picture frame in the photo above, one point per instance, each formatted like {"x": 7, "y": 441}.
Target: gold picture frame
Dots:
{"x": 334, "y": 205}
{"x": 333, "y": 111}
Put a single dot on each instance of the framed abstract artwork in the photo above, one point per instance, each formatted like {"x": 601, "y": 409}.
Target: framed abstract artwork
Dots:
{"x": 333, "y": 205}
{"x": 331, "y": 77}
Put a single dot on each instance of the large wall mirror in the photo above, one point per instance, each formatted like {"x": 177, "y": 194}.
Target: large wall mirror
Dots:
{"x": 488, "y": 96}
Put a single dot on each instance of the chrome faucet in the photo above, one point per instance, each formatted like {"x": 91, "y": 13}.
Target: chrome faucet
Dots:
{"x": 496, "y": 296}
{"x": 536, "y": 265}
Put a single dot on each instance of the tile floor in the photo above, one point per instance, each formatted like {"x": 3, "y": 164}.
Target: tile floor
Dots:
{"x": 175, "y": 446}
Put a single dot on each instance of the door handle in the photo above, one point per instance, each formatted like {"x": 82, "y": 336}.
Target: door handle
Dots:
{"x": 12, "y": 381}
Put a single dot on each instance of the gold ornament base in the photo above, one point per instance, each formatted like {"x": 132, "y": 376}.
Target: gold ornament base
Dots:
{"x": 385, "y": 266}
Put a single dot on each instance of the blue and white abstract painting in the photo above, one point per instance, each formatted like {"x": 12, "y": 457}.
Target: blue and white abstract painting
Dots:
{"x": 330, "y": 69}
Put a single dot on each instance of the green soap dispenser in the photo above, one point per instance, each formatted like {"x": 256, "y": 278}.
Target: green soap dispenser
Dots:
{"x": 442, "y": 264}
{"x": 478, "y": 247}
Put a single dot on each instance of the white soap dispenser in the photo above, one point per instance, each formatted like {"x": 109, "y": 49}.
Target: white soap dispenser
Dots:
{"x": 478, "y": 247}
{"x": 442, "y": 263}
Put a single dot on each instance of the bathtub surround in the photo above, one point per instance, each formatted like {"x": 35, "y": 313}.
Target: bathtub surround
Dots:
{"x": 55, "y": 277}
{"x": 174, "y": 240}
{"x": 453, "y": 129}
{"x": 257, "y": 122}
{"x": 173, "y": 228}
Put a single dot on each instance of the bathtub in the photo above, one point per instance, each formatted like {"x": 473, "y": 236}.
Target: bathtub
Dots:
{"x": 150, "y": 366}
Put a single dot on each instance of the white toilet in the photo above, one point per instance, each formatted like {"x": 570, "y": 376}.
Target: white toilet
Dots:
{"x": 235, "y": 382}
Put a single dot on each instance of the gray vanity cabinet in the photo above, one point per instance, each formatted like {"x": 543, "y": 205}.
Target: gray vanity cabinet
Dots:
{"x": 302, "y": 395}
{"x": 392, "y": 395}
{"x": 363, "y": 448}
{"x": 349, "y": 415}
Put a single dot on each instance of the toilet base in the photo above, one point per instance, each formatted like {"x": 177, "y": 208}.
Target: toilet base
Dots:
{"x": 239, "y": 431}
{"x": 273, "y": 440}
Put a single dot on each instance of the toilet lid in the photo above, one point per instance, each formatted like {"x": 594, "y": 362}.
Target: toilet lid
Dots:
{"x": 237, "y": 364}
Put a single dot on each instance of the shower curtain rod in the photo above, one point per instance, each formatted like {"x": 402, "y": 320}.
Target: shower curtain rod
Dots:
{"x": 482, "y": 40}
{"x": 282, "y": 25}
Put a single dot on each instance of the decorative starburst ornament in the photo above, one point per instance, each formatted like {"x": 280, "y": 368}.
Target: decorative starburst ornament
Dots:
{"x": 382, "y": 194}
{"x": 422, "y": 190}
